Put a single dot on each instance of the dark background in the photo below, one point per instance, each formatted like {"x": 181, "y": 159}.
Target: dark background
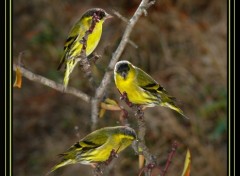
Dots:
{"x": 182, "y": 44}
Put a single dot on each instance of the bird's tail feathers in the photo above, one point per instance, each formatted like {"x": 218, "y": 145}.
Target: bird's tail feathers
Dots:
{"x": 69, "y": 68}
{"x": 66, "y": 79}
{"x": 60, "y": 65}
{"x": 61, "y": 164}
{"x": 61, "y": 62}
{"x": 172, "y": 106}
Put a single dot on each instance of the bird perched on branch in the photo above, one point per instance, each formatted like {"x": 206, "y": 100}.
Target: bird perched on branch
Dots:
{"x": 82, "y": 38}
{"x": 141, "y": 88}
{"x": 98, "y": 146}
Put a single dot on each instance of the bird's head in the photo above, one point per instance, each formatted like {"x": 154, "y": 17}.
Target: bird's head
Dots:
{"x": 129, "y": 132}
{"x": 122, "y": 68}
{"x": 101, "y": 14}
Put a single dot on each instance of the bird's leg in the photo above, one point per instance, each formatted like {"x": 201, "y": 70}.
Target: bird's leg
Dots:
{"x": 124, "y": 97}
{"x": 139, "y": 113}
{"x": 98, "y": 170}
{"x": 125, "y": 113}
{"x": 124, "y": 116}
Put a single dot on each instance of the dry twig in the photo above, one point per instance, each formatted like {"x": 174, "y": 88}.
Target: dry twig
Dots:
{"x": 47, "y": 82}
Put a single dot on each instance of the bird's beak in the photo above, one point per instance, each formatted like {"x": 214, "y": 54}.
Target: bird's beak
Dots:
{"x": 108, "y": 16}
{"x": 124, "y": 75}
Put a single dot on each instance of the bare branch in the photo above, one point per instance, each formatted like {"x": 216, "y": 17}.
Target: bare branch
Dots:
{"x": 146, "y": 6}
{"x": 115, "y": 57}
{"x": 126, "y": 21}
{"x": 94, "y": 112}
{"x": 120, "y": 16}
{"x": 150, "y": 159}
{"x": 47, "y": 82}
{"x": 133, "y": 44}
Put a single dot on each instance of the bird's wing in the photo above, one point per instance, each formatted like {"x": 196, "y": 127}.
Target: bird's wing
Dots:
{"x": 68, "y": 44}
{"x": 147, "y": 83}
{"x": 91, "y": 141}
{"x": 75, "y": 35}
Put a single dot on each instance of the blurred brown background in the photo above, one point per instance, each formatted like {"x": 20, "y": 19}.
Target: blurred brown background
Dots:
{"x": 182, "y": 44}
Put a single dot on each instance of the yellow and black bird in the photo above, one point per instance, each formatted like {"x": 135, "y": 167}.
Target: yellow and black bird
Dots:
{"x": 141, "y": 88}
{"x": 73, "y": 44}
{"x": 97, "y": 146}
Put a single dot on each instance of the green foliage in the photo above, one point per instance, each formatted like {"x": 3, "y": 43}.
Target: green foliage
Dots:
{"x": 220, "y": 129}
{"x": 45, "y": 35}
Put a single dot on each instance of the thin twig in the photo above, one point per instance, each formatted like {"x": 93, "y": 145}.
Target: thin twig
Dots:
{"x": 47, "y": 82}
{"x": 170, "y": 156}
{"x": 150, "y": 159}
{"x": 115, "y": 57}
{"x": 126, "y": 21}
{"x": 133, "y": 44}
{"x": 120, "y": 16}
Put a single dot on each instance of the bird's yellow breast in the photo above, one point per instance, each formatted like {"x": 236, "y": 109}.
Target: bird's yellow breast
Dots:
{"x": 135, "y": 94}
{"x": 94, "y": 37}
{"x": 116, "y": 142}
